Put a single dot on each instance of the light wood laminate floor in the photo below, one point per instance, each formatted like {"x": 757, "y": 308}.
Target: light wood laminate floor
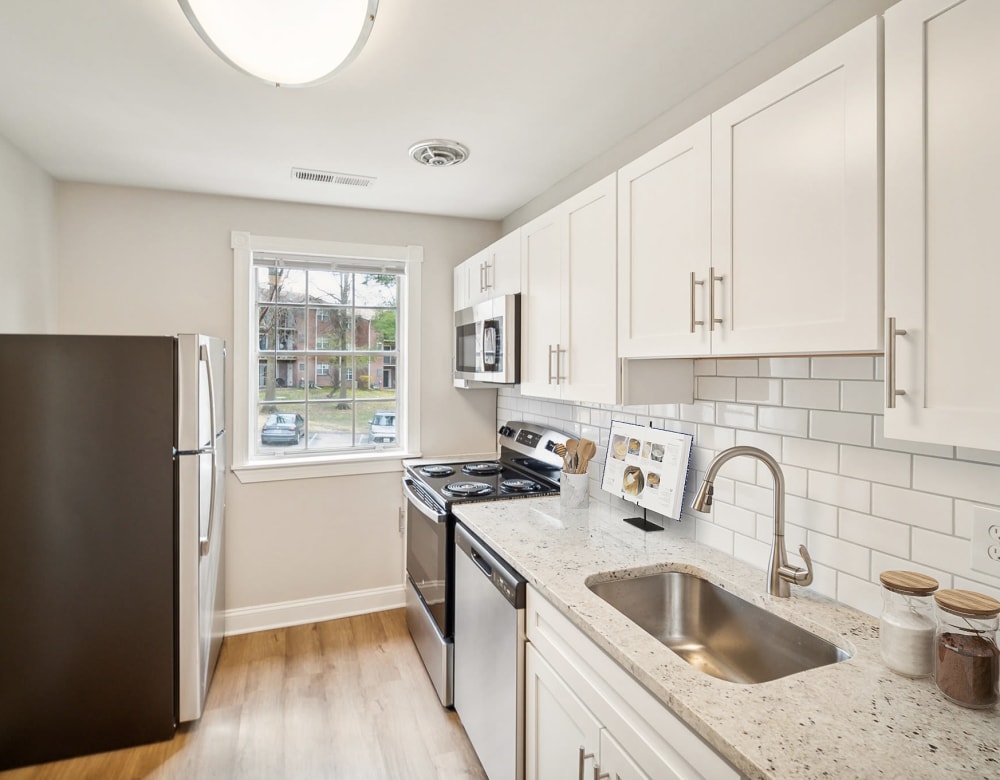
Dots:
{"x": 345, "y": 699}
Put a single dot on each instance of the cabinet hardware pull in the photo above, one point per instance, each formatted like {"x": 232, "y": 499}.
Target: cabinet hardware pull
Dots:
{"x": 598, "y": 775}
{"x": 560, "y": 376}
{"x": 551, "y": 350}
{"x": 583, "y": 758}
{"x": 693, "y": 283}
{"x": 712, "y": 319}
{"x": 890, "y": 364}
{"x": 489, "y": 285}
{"x": 482, "y": 275}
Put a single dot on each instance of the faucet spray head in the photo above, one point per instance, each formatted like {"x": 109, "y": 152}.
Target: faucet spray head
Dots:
{"x": 704, "y": 498}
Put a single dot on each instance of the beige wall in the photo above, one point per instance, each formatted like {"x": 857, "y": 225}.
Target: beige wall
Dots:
{"x": 822, "y": 27}
{"x": 27, "y": 235}
{"x": 150, "y": 261}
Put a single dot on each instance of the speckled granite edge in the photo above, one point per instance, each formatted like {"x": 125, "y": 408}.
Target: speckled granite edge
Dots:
{"x": 851, "y": 719}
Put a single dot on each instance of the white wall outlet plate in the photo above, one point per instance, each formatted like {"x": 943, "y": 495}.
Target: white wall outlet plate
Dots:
{"x": 986, "y": 540}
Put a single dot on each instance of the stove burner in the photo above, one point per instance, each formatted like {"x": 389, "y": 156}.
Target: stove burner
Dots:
{"x": 467, "y": 488}
{"x": 437, "y": 471}
{"x": 483, "y": 469}
{"x": 519, "y": 486}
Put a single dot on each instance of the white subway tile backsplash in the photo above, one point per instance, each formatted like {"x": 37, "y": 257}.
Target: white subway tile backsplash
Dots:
{"x": 942, "y": 551}
{"x": 843, "y": 427}
{"x": 736, "y": 415}
{"x": 714, "y": 536}
{"x": 874, "y": 532}
{"x": 742, "y": 521}
{"x": 863, "y": 397}
{"x": 891, "y": 468}
{"x": 860, "y": 594}
{"x": 714, "y": 437}
{"x": 862, "y": 503}
{"x": 784, "y": 367}
{"x": 908, "y": 506}
{"x": 816, "y": 455}
{"x": 736, "y": 367}
{"x": 811, "y": 393}
{"x": 811, "y": 515}
{"x": 843, "y": 368}
{"x": 973, "y": 481}
{"x": 841, "y": 555}
{"x": 842, "y": 491}
{"x": 757, "y": 390}
{"x": 755, "y": 498}
{"x": 791, "y": 422}
{"x": 716, "y": 388}
{"x": 915, "y": 447}
{"x": 699, "y": 412}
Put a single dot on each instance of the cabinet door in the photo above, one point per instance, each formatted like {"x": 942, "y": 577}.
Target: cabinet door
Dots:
{"x": 616, "y": 764}
{"x": 795, "y": 207}
{"x": 665, "y": 248}
{"x": 942, "y": 187}
{"x": 503, "y": 266}
{"x": 589, "y": 367}
{"x": 560, "y": 731}
{"x": 462, "y": 284}
{"x": 541, "y": 305}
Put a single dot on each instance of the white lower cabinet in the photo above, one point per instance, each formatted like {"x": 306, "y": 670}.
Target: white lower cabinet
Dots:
{"x": 587, "y": 718}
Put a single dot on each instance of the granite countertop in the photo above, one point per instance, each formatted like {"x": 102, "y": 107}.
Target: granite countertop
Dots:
{"x": 854, "y": 719}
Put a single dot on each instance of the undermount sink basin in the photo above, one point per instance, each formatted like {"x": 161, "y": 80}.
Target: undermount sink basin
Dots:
{"x": 715, "y": 631}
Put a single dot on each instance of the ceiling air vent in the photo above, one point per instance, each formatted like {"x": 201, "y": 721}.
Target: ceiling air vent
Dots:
{"x": 327, "y": 177}
{"x": 439, "y": 153}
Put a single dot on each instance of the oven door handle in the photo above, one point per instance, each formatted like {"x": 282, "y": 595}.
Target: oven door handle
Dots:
{"x": 415, "y": 500}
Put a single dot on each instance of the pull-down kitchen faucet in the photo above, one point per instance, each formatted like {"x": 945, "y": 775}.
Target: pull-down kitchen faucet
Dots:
{"x": 779, "y": 571}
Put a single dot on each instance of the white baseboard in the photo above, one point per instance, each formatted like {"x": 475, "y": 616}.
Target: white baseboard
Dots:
{"x": 245, "y": 620}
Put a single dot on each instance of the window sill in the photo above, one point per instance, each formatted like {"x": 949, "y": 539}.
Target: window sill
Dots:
{"x": 375, "y": 463}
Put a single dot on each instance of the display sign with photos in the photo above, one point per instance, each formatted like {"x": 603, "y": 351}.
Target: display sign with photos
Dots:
{"x": 648, "y": 466}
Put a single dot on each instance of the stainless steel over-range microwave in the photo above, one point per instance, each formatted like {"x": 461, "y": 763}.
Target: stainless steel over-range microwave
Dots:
{"x": 487, "y": 341}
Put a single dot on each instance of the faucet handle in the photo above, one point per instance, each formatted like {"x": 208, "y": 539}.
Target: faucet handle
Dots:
{"x": 797, "y": 574}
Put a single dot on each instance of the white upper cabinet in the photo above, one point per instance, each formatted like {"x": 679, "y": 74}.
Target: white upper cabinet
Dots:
{"x": 796, "y": 207}
{"x": 568, "y": 335}
{"x": 493, "y": 272}
{"x": 942, "y": 198}
{"x": 665, "y": 248}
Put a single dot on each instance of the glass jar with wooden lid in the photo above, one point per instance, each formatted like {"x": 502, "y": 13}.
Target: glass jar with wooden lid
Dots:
{"x": 907, "y": 625}
{"x": 966, "y": 658}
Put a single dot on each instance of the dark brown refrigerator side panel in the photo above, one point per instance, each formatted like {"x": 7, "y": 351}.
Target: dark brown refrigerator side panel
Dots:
{"x": 87, "y": 545}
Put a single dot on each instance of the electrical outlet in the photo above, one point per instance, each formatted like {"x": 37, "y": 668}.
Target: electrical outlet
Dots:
{"x": 986, "y": 540}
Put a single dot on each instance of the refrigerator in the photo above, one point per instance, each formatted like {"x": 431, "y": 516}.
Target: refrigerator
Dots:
{"x": 112, "y": 466}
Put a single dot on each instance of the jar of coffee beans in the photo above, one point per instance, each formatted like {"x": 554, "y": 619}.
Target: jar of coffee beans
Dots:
{"x": 966, "y": 658}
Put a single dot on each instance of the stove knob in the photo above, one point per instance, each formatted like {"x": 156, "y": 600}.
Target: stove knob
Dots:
{"x": 506, "y": 430}
{"x": 550, "y": 445}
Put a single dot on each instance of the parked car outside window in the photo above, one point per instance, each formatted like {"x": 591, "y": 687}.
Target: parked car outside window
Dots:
{"x": 283, "y": 429}
{"x": 382, "y": 429}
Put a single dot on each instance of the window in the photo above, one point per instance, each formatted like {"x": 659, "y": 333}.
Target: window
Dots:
{"x": 325, "y": 330}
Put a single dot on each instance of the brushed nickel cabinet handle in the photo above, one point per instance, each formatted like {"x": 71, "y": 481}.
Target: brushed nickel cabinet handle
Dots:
{"x": 583, "y": 758}
{"x": 551, "y": 351}
{"x": 712, "y": 319}
{"x": 694, "y": 283}
{"x": 891, "y": 392}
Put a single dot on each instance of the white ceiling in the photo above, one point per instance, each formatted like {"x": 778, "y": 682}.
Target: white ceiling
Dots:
{"x": 125, "y": 92}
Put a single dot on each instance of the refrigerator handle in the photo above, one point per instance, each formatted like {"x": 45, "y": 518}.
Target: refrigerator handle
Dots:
{"x": 205, "y": 542}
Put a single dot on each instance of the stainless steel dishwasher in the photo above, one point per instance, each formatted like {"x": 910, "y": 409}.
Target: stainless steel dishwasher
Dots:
{"x": 489, "y": 655}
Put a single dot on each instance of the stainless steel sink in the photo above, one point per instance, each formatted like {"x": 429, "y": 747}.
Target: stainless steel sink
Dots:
{"x": 715, "y": 631}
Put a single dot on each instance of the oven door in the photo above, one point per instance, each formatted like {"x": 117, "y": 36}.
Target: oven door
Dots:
{"x": 430, "y": 536}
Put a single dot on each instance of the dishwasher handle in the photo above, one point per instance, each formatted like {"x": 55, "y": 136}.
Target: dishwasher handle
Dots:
{"x": 507, "y": 582}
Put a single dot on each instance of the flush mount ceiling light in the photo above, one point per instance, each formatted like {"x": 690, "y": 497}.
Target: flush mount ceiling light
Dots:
{"x": 439, "y": 153}
{"x": 292, "y": 43}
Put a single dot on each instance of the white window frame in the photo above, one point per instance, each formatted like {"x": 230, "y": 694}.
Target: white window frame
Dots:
{"x": 245, "y": 371}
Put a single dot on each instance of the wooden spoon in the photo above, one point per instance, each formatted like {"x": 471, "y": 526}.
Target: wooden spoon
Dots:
{"x": 570, "y": 457}
{"x": 586, "y": 450}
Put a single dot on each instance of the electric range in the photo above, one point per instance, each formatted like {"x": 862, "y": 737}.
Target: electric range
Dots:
{"x": 527, "y": 467}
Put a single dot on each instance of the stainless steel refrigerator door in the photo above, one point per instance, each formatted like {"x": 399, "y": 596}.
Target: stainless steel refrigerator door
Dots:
{"x": 201, "y": 502}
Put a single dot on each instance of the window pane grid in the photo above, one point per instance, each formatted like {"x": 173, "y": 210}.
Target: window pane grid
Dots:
{"x": 326, "y": 360}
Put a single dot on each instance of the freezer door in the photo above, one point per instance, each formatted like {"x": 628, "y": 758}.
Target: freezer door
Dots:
{"x": 201, "y": 390}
